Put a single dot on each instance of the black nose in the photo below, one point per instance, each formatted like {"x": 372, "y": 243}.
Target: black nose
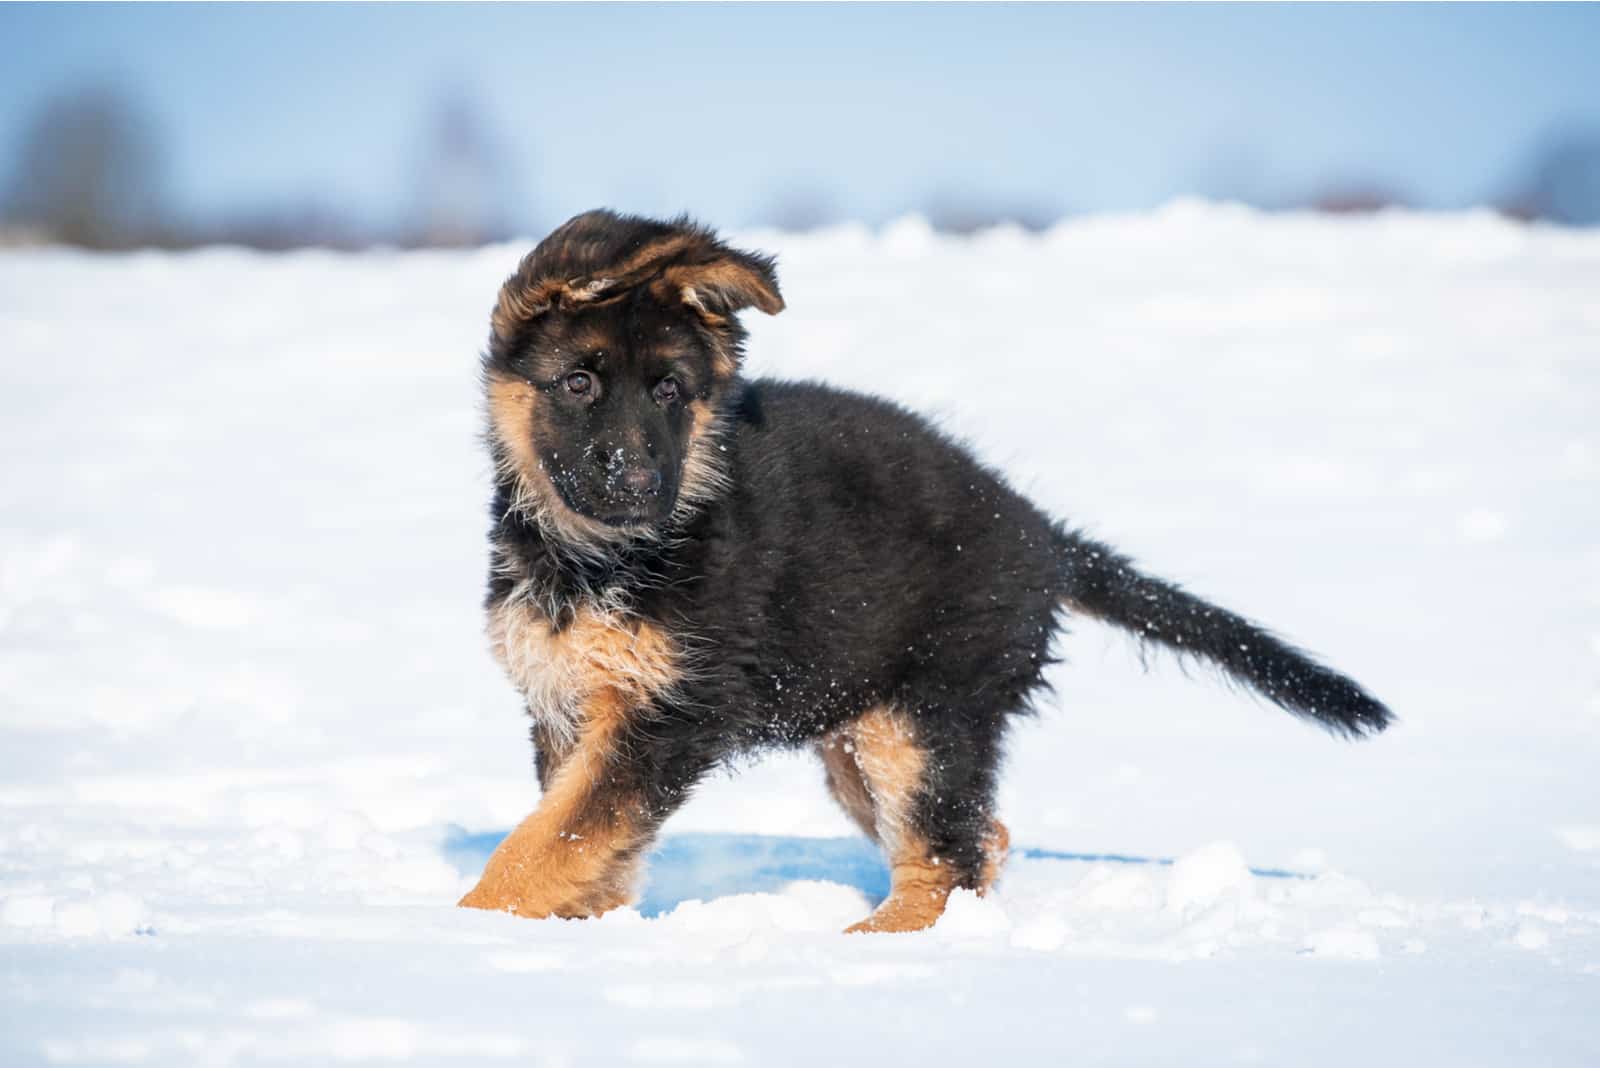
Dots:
{"x": 641, "y": 481}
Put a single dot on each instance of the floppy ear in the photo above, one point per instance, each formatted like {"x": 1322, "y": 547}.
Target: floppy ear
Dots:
{"x": 522, "y": 301}
{"x": 729, "y": 283}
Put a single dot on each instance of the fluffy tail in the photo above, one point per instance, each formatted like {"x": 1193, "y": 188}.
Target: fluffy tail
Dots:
{"x": 1101, "y": 582}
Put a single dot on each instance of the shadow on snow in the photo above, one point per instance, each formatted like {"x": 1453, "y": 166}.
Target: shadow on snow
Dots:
{"x": 685, "y": 867}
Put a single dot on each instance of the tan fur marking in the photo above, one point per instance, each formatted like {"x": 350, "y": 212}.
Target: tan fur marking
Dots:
{"x": 619, "y": 887}
{"x": 891, "y": 763}
{"x": 566, "y": 858}
{"x": 728, "y": 276}
{"x": 669, "y": 289}
{"x": 653, "y": 253}
{"x": 723, "y": 364}
{"x": 846, "y": 784}
{"x": 556, "y": 670}
{"x": 995, "y": 849}
{"x": 875, "y": 768}
{"x": 663, "y": 290}
{"x": 511, "y": 423}
{"x": 704, "y": 472}
{"x": 511, "y": 415}
{"x": 919, "y": 888}
{"x": 520, "y": 303}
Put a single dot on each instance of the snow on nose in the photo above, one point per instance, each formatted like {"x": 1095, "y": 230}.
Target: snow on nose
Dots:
{"x": 641, "y": 481}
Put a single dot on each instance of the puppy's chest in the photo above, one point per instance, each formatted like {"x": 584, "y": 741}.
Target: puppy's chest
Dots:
{"x": 598, "y": 653}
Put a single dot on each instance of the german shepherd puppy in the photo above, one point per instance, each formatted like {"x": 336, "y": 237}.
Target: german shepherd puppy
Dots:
{"x": 687, "y": 565}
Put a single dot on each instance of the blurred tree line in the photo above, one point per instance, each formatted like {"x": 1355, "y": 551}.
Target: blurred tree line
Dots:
{"x": 87, "y": 172}
{"x": 90, "y": 171}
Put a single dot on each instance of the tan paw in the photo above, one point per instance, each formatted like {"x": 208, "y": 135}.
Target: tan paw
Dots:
{"x": 915, "y": 912}
{"x": 480, "y": 897}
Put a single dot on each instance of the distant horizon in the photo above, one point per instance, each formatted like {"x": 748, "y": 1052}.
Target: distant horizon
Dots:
{"x": 877, "y": 229}
{"x": 756, "y": 115}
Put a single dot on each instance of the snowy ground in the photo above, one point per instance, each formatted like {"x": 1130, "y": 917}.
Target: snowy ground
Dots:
{"x": 252, "y": 747}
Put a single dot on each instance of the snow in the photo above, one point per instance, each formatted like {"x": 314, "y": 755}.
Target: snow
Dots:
{"x": 252, "y": 746}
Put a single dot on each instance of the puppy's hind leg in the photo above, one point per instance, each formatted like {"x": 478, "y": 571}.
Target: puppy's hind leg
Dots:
{"x": 931, "y": 815}
{"x": 845, "y": 780}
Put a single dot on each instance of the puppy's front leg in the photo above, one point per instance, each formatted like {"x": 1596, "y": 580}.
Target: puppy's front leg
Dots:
{"x": 576, "y": 854}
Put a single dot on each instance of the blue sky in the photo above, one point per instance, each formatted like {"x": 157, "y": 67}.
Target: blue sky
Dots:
{"x": 728, "y": 110}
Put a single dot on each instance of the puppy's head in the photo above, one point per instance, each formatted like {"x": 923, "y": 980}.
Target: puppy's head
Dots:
{"x": 611, "y": 352}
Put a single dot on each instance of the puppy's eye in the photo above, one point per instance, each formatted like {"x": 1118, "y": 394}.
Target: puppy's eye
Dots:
{"x": 580, "y": 383}
{"x": 666, "y": 390}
